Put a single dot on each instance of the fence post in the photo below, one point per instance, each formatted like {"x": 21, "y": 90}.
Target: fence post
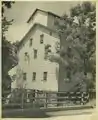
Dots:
{"x": 35, "y": 99}
{"x": 46, "y": 97}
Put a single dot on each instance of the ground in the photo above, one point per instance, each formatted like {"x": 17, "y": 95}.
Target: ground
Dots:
{"x": 45, "y": 113}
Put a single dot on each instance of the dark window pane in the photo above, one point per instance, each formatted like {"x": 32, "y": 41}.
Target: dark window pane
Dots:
{"x": 41, "y": 39}
{"x": 26, "y": 56}
{"x": 24, "y": 76}
{"x": 30, "y": 42}
{"x": 34, "y": 76}
{"x": 35, "y": 53}
{"x": 45, "y": 76}
{"x": 26, "y": 53}
{"x": 50, "y": 33}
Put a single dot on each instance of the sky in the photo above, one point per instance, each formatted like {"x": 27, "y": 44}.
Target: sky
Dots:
{"x": 21, "y": 11}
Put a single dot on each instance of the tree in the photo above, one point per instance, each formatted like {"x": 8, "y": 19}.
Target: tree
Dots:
{"x": 86, "y": 34}
{"x": 9, "y": 58}
{"x": 18, "y": 94}
{"x": 77, "y": 36}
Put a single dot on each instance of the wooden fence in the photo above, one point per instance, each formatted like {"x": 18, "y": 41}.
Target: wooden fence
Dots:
{"x": 34, "y": 98}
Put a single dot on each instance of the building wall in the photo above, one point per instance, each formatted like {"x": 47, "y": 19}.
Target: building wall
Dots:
{"x": 51, "y": 21}
{"x": 39, "y": 65}
{"x": 39, "y": 17}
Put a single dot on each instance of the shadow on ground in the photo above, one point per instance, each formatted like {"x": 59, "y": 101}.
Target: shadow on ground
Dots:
{"x": 24, "y": 113}
{"x": 43, "y": 113}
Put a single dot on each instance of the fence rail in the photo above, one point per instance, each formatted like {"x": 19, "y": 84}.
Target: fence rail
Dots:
{"x": 24, "y": 98}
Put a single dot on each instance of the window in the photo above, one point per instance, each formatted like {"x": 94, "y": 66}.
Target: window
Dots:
{"x": 26, "y": 53}
{"x": 26, "y": 56}
{"x": 24, "y": 76}
{"x": 34, "y": 76}
{"x": 41, "y": 38}
{"x": 35, "y": 53}
{"x": 50, "y": 33}
{"x": 45, "y": 76}
{"x": 47, "y": 51}
{"x": 30, "y": 42}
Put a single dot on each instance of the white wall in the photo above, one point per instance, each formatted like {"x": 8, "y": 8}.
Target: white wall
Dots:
{"x": 39, "y": 65}
{"x": 39, "y": 17}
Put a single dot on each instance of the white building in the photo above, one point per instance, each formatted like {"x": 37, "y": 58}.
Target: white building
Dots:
{"x": 33, "y": 70}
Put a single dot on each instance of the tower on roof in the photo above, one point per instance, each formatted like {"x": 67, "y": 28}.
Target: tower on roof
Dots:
{"x": 43, "y": 17}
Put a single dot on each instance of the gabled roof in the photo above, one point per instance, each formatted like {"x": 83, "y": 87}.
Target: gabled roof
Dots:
{"x": 37, "y": 25}
{"x": 47, "y": 12}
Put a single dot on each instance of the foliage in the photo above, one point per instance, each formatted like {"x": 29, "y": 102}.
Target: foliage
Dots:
{"x": 9, "y": 58}
{"x": 21, "y": 83}
{"x": 77, "y": 34}
{"x": 47, "y": 50}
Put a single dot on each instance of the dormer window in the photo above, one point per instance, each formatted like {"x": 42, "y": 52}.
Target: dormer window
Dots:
{"x": 41, "y": 39}
{"x": 31, "y": 40}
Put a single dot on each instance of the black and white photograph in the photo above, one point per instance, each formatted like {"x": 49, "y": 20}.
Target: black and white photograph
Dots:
{"x": 48, "y": 58}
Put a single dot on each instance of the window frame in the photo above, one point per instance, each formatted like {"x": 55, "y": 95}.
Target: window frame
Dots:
{"x": 45, "y": 74}
{"x": 50, "y": 33}
{"x": 35, "y": 53}
{"x": 26, "y": 56}
{"x": 26, "y": 53}
{"x": 30, "y": 42}
{"x": 25, "y": 76}
{"x": 41, "y": 38}
{"x": 33, "y": 76}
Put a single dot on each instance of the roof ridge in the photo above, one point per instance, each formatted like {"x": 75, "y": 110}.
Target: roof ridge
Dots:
{"x": 42, "y": 11}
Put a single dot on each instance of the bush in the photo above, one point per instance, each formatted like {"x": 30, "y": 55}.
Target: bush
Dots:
{"x": 11, "y": 106}
{"x": 38, "y": 103}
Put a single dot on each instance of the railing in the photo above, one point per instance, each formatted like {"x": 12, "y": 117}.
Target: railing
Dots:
{"x": 46, "y": 99}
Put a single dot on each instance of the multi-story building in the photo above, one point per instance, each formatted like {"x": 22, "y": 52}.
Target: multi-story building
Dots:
{"x": 34, "y": 70}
